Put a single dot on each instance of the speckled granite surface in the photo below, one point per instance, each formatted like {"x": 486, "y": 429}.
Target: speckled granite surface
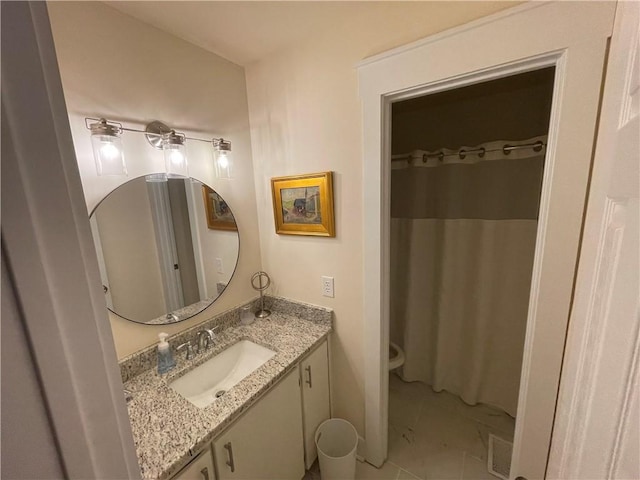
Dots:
{"x": 168, "y": 429}
{"x": 145, "y": 359}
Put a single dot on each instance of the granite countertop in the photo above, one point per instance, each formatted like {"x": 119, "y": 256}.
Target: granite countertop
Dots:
{"x": 168, "y": 429}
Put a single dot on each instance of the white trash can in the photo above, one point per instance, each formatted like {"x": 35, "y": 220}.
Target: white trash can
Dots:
{"x": 337, "y": 442}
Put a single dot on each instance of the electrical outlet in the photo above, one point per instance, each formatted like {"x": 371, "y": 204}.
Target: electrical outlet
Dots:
{"x": 219, "y": 266}
{"x": 327, "y": 287}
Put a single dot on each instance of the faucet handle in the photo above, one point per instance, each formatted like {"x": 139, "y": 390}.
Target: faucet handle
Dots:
{"x": 128, "y": 395}
{"x": 212, "y": 331}
{"x": 189, "y": 347}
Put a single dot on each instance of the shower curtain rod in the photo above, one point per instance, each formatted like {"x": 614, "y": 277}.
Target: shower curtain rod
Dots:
{"x": 506, "y": 149}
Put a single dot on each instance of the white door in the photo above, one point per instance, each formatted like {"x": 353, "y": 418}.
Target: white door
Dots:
{"x": 102, "y": 267}
{"x": 597, "y": 432}
{"x": 166, "y": 244}
{"x": 572, "y": 36}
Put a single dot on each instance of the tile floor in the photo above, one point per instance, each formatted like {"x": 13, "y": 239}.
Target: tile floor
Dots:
{"x": 434, "y": 436}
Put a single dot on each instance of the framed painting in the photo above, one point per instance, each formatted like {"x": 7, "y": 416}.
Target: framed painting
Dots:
{"x": 219, "y": 216}
{"x": 303, "y": 204}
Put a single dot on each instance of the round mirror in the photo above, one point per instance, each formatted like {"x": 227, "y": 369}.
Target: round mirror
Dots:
{"x": 167, "y": 248}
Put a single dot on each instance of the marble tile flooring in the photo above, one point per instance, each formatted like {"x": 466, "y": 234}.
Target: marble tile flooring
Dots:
{"x": 434, "y": 436}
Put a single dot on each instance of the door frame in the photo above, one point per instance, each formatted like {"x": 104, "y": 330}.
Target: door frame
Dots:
{"x": 410, "y": 71}
{"x": 50, "y": 257}
{"x": 192, "y": 198}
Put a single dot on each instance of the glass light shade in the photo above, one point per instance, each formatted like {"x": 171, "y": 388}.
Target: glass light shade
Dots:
{"x": 108, "y": 154}
{"x": 156, "y": 177}
{"x": 175, "y": 158}
{"x": 223, "y": 163}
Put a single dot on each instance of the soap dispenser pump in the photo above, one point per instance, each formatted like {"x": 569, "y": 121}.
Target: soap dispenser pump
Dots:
{"x": 165, "y": 358}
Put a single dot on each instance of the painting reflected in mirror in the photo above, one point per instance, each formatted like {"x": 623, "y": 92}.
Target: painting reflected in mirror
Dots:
{"x": 167, "y": 248}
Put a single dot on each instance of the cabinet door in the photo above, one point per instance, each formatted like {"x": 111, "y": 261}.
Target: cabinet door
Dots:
{"x": 266, "y": 443}
{"x": 201, "y": 468}
{"x": 315, "y": 398}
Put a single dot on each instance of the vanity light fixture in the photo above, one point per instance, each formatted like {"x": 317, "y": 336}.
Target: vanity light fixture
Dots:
{"x": 109, "y": 155}
{"x": 107, "y": 148}
{"x": 222, "y": 158}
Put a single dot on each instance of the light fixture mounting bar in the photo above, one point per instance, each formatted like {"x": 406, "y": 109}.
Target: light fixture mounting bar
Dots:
{"x": 156, "y": 130}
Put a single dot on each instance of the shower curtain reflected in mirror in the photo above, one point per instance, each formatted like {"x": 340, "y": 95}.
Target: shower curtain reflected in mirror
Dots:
{"x": 463, "y": 234}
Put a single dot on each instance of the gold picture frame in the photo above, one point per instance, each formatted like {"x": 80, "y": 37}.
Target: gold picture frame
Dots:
{"x": 303, "y": 204}
{"x": 219, "y": 215}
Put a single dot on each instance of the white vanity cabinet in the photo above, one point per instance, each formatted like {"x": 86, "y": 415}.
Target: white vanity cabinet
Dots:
{"x": 200, "y": 468}
{"x": 314, "y": 371}
{"x": 265, "y": 443}
{"x": 274, "y": 439}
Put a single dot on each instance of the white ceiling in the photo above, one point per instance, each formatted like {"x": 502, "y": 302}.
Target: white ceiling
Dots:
{"x": 244, "y": 32}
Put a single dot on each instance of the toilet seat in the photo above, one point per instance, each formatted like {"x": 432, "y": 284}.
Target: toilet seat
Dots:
{"x": 396, "y": 356}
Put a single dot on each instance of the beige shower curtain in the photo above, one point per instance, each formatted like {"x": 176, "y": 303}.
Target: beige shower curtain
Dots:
{"x": 462, "y": 244}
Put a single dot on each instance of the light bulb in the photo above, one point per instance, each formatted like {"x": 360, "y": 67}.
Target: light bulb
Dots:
{"x": 223, "y": 160}
{"x": 176, "y": 157}
{"x": 109, "y": 151}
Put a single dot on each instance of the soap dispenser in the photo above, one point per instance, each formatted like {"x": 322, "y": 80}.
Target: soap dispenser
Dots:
{"x": 165, "y": 358}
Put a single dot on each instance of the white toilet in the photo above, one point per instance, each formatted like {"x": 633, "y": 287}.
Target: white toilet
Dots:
{"x": 396, "y": 356}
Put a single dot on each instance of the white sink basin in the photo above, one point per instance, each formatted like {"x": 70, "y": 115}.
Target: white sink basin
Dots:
{"x": 202, "y": 385}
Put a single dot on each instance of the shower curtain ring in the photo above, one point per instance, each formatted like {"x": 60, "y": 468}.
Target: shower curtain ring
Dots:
{"x": 462, "y": 154}
{"x": 441, "y": 156}
{"x": 482, "y": 152}
{"x": 425, "y": 157}
{"x": 538, "y": 146}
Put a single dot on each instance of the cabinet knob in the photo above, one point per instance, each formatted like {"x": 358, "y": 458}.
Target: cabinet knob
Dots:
{"x": 230, "y": 462}
{"x": 308, "y": 380}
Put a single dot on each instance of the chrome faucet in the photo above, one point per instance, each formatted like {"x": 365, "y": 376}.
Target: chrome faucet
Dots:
{"x": 189, "y": 347}
{"x": 206, "y": 337}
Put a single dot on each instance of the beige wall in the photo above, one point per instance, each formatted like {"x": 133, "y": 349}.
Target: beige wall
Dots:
{"x": 220, "y": 244}
{"x": 306, "y": 117}
{"x": 117, "y": 67}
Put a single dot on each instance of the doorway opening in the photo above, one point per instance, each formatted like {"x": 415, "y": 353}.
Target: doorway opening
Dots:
{"x": 466, "y": 180}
